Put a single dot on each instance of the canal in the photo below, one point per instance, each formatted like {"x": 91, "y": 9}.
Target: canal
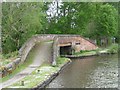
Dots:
{"x": 89, "y": 72}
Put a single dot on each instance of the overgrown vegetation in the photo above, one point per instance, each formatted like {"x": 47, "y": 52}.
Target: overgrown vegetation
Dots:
{"x": 22, "y": 20}
{"x": 19, "y": 68}
{"x": 111, "y": 50}
{"x": 40, "y": 75}
{"x": 10, "y": 55}
{"x": 61, "y": 61}
{"x": 85, "y": 52}
{"x": 7, "y": 58}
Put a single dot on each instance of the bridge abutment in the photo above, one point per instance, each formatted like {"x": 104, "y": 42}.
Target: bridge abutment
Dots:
{"x": 62, "y": 44}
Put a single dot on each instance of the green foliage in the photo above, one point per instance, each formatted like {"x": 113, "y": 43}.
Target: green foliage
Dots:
{"x": 106, "y": 21}
{"x": 7, "y": 58}
{"x": 62, "y": 60}
{"x": 45, "y": 71}
{"x": 18, "y": 69}
{"x": 93, "y": 20}
{"x": 72, "y": 18}
{"x": 10, "y": 55}
{"x": 19, "y": 22}
{"x": 113, "y": 48}
{"x": 98, "y": 51}
{"x": 85, "y": 52}
{"x": 22, "y": 20}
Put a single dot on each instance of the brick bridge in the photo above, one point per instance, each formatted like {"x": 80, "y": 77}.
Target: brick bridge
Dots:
{"x": 62, "y": 45}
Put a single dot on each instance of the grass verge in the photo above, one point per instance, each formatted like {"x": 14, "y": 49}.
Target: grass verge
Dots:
{"x": 7, "y": 58}
{"x": 39, "y": 75}
{"x": 86, "y": 53}
{"x": 110, "y": 49}
{"x": 18, "y": 69}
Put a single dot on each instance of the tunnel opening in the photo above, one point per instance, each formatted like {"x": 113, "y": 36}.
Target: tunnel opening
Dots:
{"x": 66, "y": 50}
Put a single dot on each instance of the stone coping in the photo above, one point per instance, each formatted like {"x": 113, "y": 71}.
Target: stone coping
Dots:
{"x": 52, "y": 77}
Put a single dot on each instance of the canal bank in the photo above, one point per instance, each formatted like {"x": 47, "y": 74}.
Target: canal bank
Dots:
{"x": 112, "y": 49}
{"x": 90, "y": 69}
{"x": 50, "y": 79}
{"x": 42, "y": 79}
{"x": 42, "y": 76}
{"x": 89, "y": 54}
{"x": 90, "y": 72}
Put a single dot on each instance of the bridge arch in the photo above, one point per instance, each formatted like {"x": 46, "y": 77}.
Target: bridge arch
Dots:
{"x": 61, "y": 43}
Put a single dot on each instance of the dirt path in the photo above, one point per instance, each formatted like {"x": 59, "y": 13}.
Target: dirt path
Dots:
{"x": 42, "y": 55}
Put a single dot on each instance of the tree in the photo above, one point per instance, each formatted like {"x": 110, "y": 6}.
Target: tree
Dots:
{"x": 71, "y": 18}
{"x": 106, "y": 22}
{"x": 93, "y": 20}
{"x": 19, "y": 22}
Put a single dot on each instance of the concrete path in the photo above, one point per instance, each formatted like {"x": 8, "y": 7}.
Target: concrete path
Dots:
{"x": 42, "y": 54}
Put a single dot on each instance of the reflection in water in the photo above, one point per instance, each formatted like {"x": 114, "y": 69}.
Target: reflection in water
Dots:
{"x": 90, "y": 72}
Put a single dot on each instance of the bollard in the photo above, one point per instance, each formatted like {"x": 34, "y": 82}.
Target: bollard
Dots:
{"x": 22, "y": 83}
{"x": 38, "y": 71}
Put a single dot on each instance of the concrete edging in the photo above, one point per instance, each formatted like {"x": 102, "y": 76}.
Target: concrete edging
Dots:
{"x": 53, "y": 76}
{"x": 78, "y": 56}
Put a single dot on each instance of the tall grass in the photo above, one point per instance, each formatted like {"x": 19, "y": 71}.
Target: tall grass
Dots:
{"x": 113, "y": 48}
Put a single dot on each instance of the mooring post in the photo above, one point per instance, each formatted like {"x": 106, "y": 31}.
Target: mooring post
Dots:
{"x": 38, "y": 71}
{"x": 22, "y": 83}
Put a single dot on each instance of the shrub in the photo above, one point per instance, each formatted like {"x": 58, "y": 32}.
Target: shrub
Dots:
{"x": 98, "y": 51}
{"x": 113, "y": 48}
{"x": 9, "y": 55}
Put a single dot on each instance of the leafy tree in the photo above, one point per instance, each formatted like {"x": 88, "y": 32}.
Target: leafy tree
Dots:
{"x": 106, "y": 22}
{"x": 22, "y": 20}
{"x": 19, "y": 22}
{"x": 72, "y": 18}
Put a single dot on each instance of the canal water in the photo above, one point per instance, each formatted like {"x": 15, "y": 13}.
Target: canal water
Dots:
{"x": 89, "y": 72}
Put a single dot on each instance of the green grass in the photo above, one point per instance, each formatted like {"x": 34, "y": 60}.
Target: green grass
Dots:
{"x": 113, "y": 48}
{"x": 110, "y": 49}
{"x": 7, "y": 58}
{"x": 9, "y": 55}
{"x": 85, "y": 53}
{"x": 19, "y": 69}
{"x": 45, "y": 71}
{"x": 61, "y": 61}
{"x": 50, "y": 41}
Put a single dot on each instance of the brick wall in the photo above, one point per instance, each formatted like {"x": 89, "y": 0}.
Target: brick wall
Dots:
{"x": 25, "y": 49}
{"x": 78, "y": 42}
{"x": 83, "y": 44}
